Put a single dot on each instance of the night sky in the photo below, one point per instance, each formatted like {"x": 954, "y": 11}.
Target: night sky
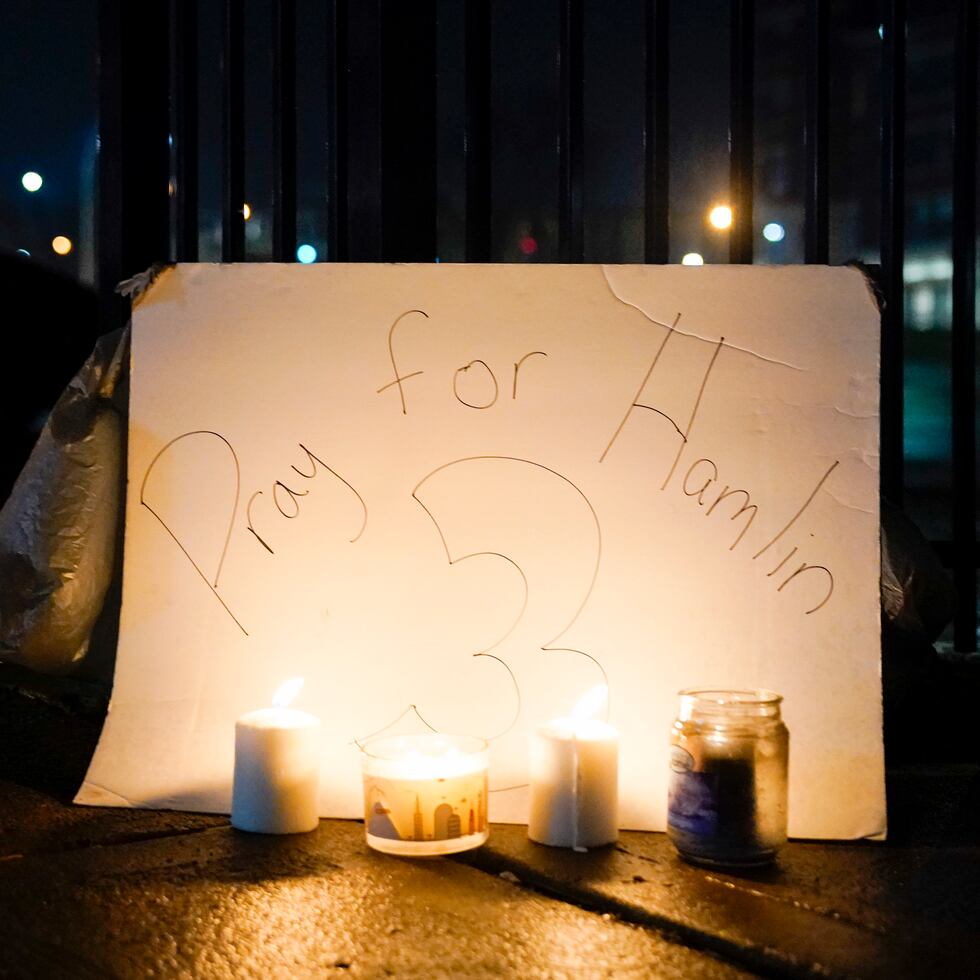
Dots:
{"x": 48, "y": 112}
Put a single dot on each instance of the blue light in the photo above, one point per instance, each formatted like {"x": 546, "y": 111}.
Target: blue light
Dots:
{"x": 306, "y": 254}
{"x": 774, "y": 232}
{"x": 24, "y": 252}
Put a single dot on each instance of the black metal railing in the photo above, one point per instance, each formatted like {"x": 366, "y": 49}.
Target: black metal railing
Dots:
{"x": 816, "y": 134}
{"x": 657, "y": 133}
{"x": 741, "y": 130}
{"x": 379, "y": 182}
{"x": 964, "y": 410}
{"x": 893, "y": 249}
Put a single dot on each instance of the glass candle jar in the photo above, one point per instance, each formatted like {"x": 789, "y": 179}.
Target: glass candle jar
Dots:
{"x": 726, "y": 802}
{"x": 425, "y": 795}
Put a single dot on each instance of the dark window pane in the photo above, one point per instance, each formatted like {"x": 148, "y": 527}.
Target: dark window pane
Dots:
{"x": 48, "y": 118}
{"x": 780, "y": 108}
{"x": 928, "y": 266}
{"x": 525, "y": 132}
{"x": 209, "y": 118}
{"x": 613, "y": 132}
{"x": 855, "y": 123}
{"x": 699, "y": 102}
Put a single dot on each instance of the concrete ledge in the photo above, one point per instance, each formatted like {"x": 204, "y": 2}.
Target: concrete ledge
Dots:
{"x": 119, "y": 893}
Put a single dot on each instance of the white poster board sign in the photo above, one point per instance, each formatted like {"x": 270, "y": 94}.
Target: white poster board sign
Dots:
{"x": 462, "y": 496}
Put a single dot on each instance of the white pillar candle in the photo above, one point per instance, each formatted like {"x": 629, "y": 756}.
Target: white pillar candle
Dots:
{"x": 575, "y": 779}
{"x": 277, "y": 768}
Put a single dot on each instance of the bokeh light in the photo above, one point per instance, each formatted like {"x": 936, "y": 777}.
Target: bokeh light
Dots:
{"x": 306, "y": 254}
{"x": 528, "y": 244}
{"x": 32, "y": 181}
{"x": 246, "y": 211}
{"x": 720, "y": 216}
{"x": 61, "y": 244}
{"x": 774, "y": 232}
{"x": 693, "y": 258}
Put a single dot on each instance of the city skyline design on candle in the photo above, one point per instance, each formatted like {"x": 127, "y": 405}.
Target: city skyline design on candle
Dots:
{"x": 425, "y": 794}
{"x": 444, "y": 809}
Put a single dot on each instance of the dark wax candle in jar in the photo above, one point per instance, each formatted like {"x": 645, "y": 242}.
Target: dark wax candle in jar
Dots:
{"x": 727, "y": 789}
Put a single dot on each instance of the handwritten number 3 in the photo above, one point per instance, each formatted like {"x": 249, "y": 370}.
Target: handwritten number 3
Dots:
{"x": 549, "y": 645}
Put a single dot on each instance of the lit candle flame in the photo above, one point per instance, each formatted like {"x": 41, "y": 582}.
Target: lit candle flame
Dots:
{"x": 287, "y": 691}
{"x": 590, "y": 704}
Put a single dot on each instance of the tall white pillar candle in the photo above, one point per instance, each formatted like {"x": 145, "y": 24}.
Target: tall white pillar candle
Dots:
{"x": 574, "y": 783}
{"x": 277, "y": 772}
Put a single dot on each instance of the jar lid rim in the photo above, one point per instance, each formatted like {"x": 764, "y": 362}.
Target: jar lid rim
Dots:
{"x": 739, "y": 696}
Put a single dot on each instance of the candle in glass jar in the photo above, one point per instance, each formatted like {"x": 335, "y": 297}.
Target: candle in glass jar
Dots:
{"x": 575, "y": 779}
{"x": 727, "y": 793}
{"x": 277, "y": 768}
{"x": 425, "y": 795}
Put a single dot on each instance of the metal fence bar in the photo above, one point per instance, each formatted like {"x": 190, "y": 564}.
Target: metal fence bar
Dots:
{"x": 656, "y": 136}
{"x": 133, "y": 214}
{"x": 109, "y": 221}
{"x": 964, "y": 328}
{"x": 816, "y": 132}
{"x": 185, "y": 122}
{"x": 336, "y": 109}
{"x": 284, "y": 135}
{"x": 741, "y": 129}
{"x": 362, "y": 134}
{"x": 477, "y": 138}
{"x": 408, "y": 131}
{"x": 233, "y": 124}
{"x": 893, "y": 249}
{"x": 571, "y": 228}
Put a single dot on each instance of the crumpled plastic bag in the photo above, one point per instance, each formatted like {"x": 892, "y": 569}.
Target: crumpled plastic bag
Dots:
{"x": 916, "y": 593}
{"x": 59, "y": 528}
